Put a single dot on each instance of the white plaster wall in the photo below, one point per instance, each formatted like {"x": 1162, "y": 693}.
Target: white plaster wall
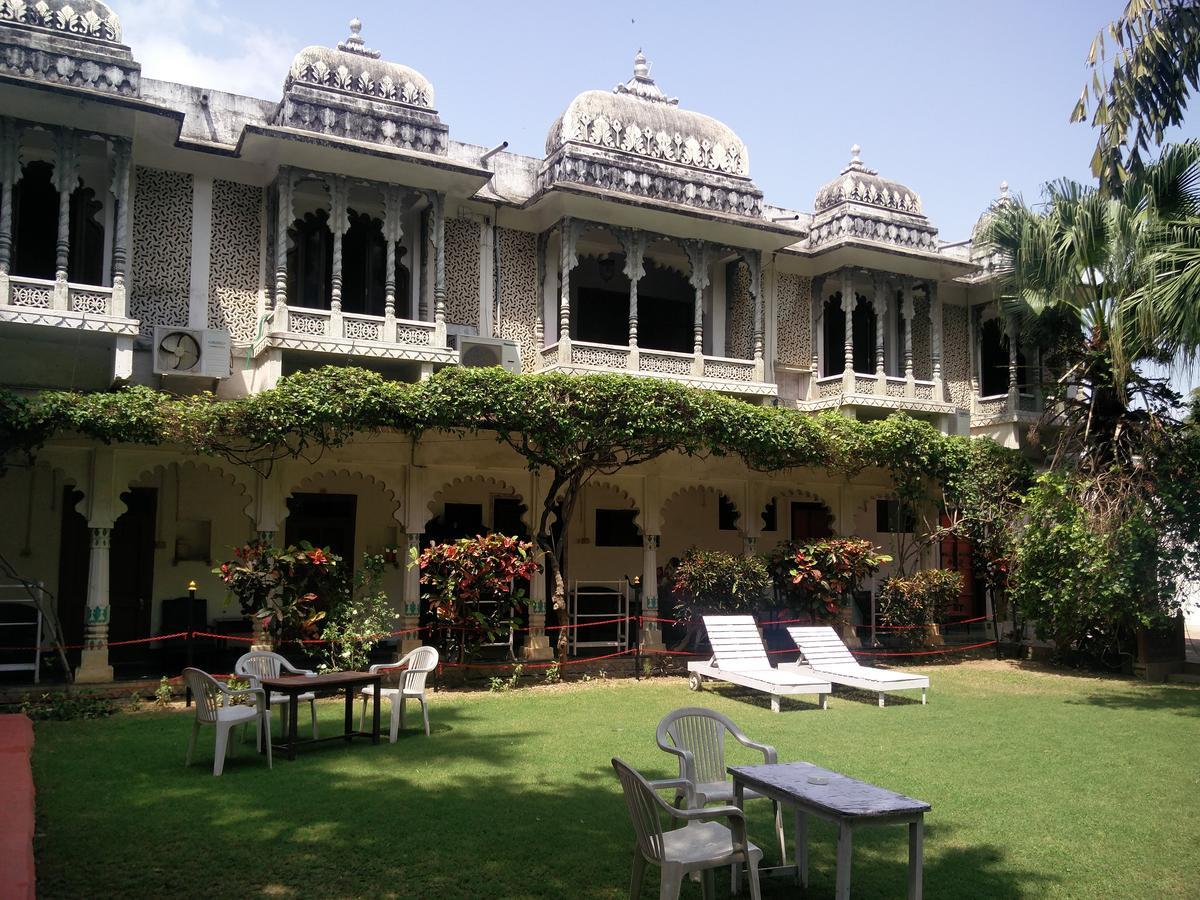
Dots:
{"x": 690, "y": 519}
{"x": 31, "y": 505}
{"x": 585, "y": 561}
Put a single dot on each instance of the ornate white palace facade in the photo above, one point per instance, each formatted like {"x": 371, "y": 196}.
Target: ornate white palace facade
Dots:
{"x": 191, "y": 239}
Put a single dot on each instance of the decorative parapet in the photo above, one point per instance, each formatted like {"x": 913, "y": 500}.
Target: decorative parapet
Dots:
{"x": 889, "y": 393}
{"x": 1002, "y": 409}
{"x": 717, "y": 373}
{"x": 76, "y": 44}
{"x": 352, "y": 334}
{"x": 35, "y": 301}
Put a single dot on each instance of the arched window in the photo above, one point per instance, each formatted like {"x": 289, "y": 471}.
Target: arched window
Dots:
{"x": 310, "y": 261}
{"x": 35, "y": 228}
{"x": 834, "y": 357}
{"x": 865, "y": 324}
{"x": 364, "y": 261}
{"x": 993, "y": 361}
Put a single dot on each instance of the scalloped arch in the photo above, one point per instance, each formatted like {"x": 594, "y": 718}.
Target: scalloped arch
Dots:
{"x": 312, "y": 478}
{"x": 487, "y": 481}
{"x": 226, "y": 475}
{"x": 639, "y": 518}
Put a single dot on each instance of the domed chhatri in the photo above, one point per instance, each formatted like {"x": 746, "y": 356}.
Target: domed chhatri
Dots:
{"x": 347, "y": 91}
{"x": 636, "y": 117}
{"x": 77, "y": 18}
{"x": 858, "y": 184}
{"x": 355, "y": 68}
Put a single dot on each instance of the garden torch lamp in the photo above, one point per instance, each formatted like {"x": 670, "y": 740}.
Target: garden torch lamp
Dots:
{"x": 191, "y": 606}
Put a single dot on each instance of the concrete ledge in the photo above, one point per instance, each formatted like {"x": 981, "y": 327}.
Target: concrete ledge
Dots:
{"x": 16, "y": 812}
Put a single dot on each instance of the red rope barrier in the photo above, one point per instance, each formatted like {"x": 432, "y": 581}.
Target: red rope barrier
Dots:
{"x": 925, "y": 652}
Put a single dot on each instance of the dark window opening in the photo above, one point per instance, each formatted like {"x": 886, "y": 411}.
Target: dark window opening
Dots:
{"x": 310, "y": 261}
{"x": 993, "y": 361}
{"x": 460, "y": 520}
{"x": 770, "y": 516}
{"x": 506, "y": 516}
{"x": 364, "y": 269}
{"x": 834, "y": 361}
{"x": 600, "y": 305}
{"x": 898, "y": 365}
{"x": 864, "y": 336}
{"x": 892, "y": 518}
{"x": 616, "y": 528}
{"x": 324, "y": 520}
{"x": 35, "y": 228}
{"x": 727, "y": 514}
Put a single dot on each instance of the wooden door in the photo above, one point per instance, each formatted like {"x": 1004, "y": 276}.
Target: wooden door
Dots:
{"x": 810, "y": 522}
{"x": 957, "y": 554}
{"x": 324, "y": 520}
{"x": 131, "y": 566}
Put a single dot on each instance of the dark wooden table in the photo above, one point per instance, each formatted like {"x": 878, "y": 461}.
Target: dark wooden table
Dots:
{"x": 295, "y": 685}
{"x": 842, "y": 800}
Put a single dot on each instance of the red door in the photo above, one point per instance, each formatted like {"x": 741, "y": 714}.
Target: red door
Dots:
{"x": 956, "y": 555}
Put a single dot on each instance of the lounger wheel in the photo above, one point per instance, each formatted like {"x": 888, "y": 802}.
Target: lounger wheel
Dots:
{"x": 696, "y": 681}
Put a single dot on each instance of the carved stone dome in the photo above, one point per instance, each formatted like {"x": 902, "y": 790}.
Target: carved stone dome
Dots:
{"x": 353, "y": 68}
{"x": 636, "y": 117}
{"x": 858, "y": 184}
{"x": 78, "y": 18}
{"x": 984, "y": 220}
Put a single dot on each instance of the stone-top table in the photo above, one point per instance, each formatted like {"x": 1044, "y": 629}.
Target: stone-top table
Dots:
{"x": 842, "y": 800}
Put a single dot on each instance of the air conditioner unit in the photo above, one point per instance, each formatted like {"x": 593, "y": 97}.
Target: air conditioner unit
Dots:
{"x": 194, "y": 352}
{"x": 475, "y": 352}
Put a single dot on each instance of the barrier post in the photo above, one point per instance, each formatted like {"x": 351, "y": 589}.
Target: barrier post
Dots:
{"x": 191, "y": 611}
{"x": 635, "y": 614}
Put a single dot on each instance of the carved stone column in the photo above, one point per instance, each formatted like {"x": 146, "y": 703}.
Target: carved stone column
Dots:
{"x": 411, "y": 599}
{"x": 537, "y": 644}
{"x": 393, "y": 233}
{"x": 1012, "y": 332}
{"x": 122, "y": 150}
{"x": 66, "y": 175}
{"x": 539, "y": 324}
{"x": 698, "y": 258}
{"x": 754, "y": 261}
{"x": 93, "y": 662}
{"x": 567, "y": 260}
{"x": 906, "y": 312}
{"x": 935, "y": 339}
{"x": 816, "y": 303}
{"x": 438, "y": 202}
{"x": 633, "y": 242}
{"x": 339, "y": 223}
{"x": 848, "y": 301}
{"x": 880, "y": 305}
{"x": 10, "y": 173}
{"x": 651, "y": 632}
{"x": 284, "y": 184}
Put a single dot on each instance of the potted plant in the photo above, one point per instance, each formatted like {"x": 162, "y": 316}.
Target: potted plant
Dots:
{"x": 284, "y": 592}
{"x": 709, "y": 582}
{"x": 473, "y": 587}
{"x": 826, "y": 573}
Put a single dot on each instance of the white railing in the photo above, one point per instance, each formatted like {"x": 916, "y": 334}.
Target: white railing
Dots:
{"x": 601, "y": 356}
{"x": 41, "y": 293}
{"x": 665, "y": 362}
{"x": 862, "y": 385}
{"x": 728, "y": 369}
{"x": 323, "y": 323}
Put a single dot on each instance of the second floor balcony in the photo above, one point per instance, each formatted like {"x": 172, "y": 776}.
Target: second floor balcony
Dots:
{"x": 631, "y": 301}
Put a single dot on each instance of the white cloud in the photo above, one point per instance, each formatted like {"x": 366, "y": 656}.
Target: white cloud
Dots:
{"x": 196, "y": 42}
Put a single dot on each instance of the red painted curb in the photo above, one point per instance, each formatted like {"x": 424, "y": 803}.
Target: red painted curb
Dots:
{"x": 16, "y": 813}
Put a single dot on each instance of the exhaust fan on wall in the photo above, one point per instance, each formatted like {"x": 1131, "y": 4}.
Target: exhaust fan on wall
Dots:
{"x": 194, "y": 352}
{"x": 475, "y": 352}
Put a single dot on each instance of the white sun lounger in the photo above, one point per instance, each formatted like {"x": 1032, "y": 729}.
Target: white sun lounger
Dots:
{"x": 739, "y": 658}
{"x": 823, "y": 652}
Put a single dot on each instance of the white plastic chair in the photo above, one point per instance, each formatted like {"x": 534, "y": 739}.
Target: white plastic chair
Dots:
{"x": 264, "y": 664}
{"x": 702, "y": 845}
{"x": 416, "y": 665}
{"x": 697, "y": 737}
{"x": 212, "y": 708}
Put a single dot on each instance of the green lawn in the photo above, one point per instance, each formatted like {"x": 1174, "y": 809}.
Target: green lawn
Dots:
{"x": 1042, "y": 785}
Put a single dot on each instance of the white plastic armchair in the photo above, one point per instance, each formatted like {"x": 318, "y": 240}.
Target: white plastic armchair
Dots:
{"x": 212, "y": 708}
{"x": 258, "y": 664}
{"x": 697, "y": 737}
{"x": 414, "y": 666}
{"x": 701, "y": 845}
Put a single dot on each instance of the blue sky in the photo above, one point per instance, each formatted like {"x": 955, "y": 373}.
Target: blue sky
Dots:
{"x": 949, "y": 98}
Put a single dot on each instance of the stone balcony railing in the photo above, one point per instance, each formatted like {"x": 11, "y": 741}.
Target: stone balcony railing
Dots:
{"x": 887, "y": 392}
{"x": 354, "y": 334}
{"x": 1006, "y": 408}
{"x": 718, "y": 373}
{"x": 37, "y": 301}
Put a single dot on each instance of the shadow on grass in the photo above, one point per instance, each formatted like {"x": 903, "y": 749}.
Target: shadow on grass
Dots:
{"x": 1182, "y": 701}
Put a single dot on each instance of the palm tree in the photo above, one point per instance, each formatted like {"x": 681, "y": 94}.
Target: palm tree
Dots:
{"x": 1118, "y": 269}
{"x": 1155, "y": 65}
